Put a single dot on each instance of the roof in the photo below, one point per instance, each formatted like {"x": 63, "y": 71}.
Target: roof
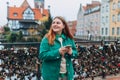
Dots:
{"x": 16, "y": 10}
{"x": 25, "y": 4}
{"x": 20, "y": 10}
{"x": 93, "y": 4}
{"x": 84, "y": 7}
{"x": 38, "y": 14}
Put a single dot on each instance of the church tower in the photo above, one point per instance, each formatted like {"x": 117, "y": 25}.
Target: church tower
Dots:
{"x": 39, "y": 4}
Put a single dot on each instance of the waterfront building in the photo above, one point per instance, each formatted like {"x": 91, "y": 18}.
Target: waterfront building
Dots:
{"x": 115, "y": 18}
{"x": 88, "y": 19}
{"x": 105, "y": 18}
{"x": 26, "y": 18}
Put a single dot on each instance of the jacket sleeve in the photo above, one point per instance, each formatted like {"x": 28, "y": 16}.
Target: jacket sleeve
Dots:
{"x": 46, "y": 53}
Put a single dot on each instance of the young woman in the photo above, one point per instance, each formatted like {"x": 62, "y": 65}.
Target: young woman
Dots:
{"x": 56, "y": 58}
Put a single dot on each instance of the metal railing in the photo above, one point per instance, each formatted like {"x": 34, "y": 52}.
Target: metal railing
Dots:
{"x": 11, "y": 48}
{"x": 98, "y": 38}
{"x": 20, "y": 55}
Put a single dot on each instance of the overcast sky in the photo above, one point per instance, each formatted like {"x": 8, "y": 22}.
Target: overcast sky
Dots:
{"x": 66, "y": 8}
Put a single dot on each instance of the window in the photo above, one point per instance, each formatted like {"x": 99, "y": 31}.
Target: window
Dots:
{"x": 113, "y": 31}
{"x": 113, "y": 7}
{"x": 103, "y": 9}
{"x": 14, "y": 23}
{"x": 118, "y": 30}
{"x": 106, "y": 31}
{"x": 15, "y": 14}
{"x": 113, "y": 18}
{"x": 106, "y": 18}
{"x": 118, "y": 4}
{"x": 28, "y": 14}
{"x": 102, "y": 31}
{"x": 119, "y": 17}
{"x": 107, "y": 8}
{"x": 103, "y": 19}
{"x": 25, "y": 33}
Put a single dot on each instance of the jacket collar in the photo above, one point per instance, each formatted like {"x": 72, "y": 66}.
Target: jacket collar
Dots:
{"x": 62, "y": 36}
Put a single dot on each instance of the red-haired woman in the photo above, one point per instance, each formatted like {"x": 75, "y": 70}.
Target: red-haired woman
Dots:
{"x": 56, "y": 58}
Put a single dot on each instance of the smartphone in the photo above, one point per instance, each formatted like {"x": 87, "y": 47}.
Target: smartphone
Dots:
{"x": 67, "y": 46}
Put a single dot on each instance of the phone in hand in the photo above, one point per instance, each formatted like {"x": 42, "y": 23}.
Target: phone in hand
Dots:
{"x": 67, "y": 46}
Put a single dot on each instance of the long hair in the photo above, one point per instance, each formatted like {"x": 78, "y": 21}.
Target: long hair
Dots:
{"x": 51, "y": 34}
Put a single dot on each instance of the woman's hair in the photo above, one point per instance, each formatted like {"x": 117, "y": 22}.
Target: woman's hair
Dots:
{"x": 51, "y": 34}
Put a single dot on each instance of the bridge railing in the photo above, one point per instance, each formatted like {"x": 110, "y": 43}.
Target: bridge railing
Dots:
{"x": 26, "y": 52}
{"x": 97, "y": 38}
{"x": 20, "y": 54}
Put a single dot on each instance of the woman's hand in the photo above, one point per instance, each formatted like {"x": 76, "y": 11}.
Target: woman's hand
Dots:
{"x": 63, "y": 50}
{"x": 69, "y": 50}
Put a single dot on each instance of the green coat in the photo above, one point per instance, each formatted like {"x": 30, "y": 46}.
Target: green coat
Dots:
{"x": 51, "y": 58}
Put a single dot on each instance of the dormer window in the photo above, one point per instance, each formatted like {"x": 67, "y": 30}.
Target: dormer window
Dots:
{"x": 15, "y": 14}
{"x": 28, "y": 14}
{"x": 43, "y": 15}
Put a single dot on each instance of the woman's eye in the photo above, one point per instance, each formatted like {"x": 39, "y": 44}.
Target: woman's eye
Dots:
{"x": 53, "y": 22}
{"x": 58, "y": 22}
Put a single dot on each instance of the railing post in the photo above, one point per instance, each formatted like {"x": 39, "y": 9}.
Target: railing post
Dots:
{"x": 102, "y": 42}
{"x": 38, "y": 70}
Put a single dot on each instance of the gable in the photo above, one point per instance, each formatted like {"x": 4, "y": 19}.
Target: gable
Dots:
{"x": 28, "y": 14}
{"x": 25, "y": 4}
{"x": 28, "y": 10}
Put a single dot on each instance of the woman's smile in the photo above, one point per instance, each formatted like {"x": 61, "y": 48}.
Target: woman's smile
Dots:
{"x": 57, "y": 26}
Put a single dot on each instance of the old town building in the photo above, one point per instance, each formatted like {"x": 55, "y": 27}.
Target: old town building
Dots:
{"x": 26, "y": 18}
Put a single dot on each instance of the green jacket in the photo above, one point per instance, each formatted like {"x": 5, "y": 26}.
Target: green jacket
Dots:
{"x": 51, "y": 58}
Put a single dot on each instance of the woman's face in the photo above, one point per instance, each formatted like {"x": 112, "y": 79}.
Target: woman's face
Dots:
{"x": 57, "y": 26}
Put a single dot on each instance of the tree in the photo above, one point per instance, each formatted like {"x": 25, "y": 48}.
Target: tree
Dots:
{"x": 48, "y": 22}
{"x": 6, "y": 29}
{"x": 20, "y": 36}
{"x": 42, "y": 30}
{"x": 12, "y": 37}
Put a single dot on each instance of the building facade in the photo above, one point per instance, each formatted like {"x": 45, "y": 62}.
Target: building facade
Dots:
{"x": 115, "y": 18}
{"x": 88, "y": 19}
{"x": 105, "y": 18}
{"x": 25, "y": 18}
{"x": 80, "y": 21}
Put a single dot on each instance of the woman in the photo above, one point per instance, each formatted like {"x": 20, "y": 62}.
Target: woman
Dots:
{"x": 56, "y": 59}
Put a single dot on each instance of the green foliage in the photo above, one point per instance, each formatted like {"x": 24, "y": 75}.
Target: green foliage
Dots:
{"x": 43, "y": 32}
{"x": 12, "y": 37}
{"x": 46, "y": 26}
{"x": 41, "y": 27}
{"x": 32, "y": 40}
{"x": 48, "y": 23}
{"x": 6, "y": 29}
{"x": 20, "y": 36}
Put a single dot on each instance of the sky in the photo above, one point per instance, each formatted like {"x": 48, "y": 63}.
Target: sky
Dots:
{"x": 66, "y": 8}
